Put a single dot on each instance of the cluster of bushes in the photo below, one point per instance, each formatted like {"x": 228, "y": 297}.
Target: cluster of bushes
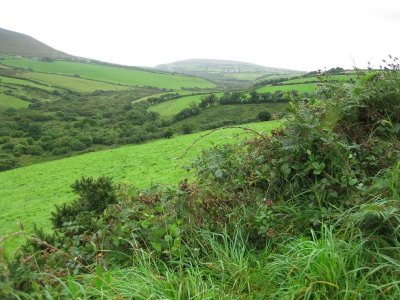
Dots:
{"x": 75, "y": 123}
{"x": 273, "y": 81}
{"x": 229, "y": 98}
{"x": 254, "y": 97}
{"x": 311, "y": 211}
{"x": 162, "y": 98}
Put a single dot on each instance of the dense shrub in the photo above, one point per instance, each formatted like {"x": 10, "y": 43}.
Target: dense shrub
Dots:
{"x": 33, "y": 150}
{"x": 78, "y": 146}
{"x": 264, "y": 115}
{"x": 7, "y": 163}
{"x": 187, "y": 128}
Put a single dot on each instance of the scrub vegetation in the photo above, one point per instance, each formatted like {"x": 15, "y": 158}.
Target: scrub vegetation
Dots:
{"x": 51, "y": 108}
{"x": 310, "y": 211}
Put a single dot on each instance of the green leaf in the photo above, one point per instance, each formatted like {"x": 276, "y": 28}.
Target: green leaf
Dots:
{"x": 99, "y": 276}
{"x": 168, "y": 238}
{"x": 156, "y": 246}
{"x": 285, "y": 168}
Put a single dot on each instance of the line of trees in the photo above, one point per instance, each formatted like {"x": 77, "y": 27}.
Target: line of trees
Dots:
{"x": 235, "y": 97}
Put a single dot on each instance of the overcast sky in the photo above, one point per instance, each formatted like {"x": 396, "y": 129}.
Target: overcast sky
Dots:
{"x": 296, "y": 34}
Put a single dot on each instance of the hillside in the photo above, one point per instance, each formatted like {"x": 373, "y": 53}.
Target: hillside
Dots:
{"x": 140, "y": 165}
{"x": 110, "y": 74}
{"x": 225, "y": 72}
{"x": 301, "y": 84}
{"x": 274, "y": 93}
{"x": 15, "y": 43}
{"x": 60, "y": 106}
{"x": 70, "y": 107}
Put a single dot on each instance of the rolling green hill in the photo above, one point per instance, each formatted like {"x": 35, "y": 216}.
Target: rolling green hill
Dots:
{"x": 221, "y": 115}
{"x": 170, "y": 108}
{"x": 225, "y": 72}
{"x": 304, "y": 84}
{"x": 74, "y": 83}
{"x": 54, "y": 107}
{"x": 110, "y": 74}
{"x": 14, "y": 43}
{"x": 28, "y": 194}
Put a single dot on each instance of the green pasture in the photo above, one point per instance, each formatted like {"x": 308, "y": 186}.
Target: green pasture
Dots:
{"x": 23, "y": 82}
{"x": 7, "y": 101}
{"x": 73, "y": 83}
{"x": 301, "y": 88}
{"x": 320, "y": 78}
{"x": 111, "y": 74}
{"x": 217, "y": 116}
{"x": 28, "y": 194}
{"x": 170, "y": 108}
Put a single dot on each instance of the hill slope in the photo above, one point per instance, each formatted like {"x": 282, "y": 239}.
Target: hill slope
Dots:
{"x": 225, "y": 72}
{"x": 15, "y": 43}
{"x": 110, "y": 74}
{"x": 41, "y": 185}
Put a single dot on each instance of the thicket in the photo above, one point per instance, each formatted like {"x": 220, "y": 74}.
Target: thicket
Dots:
{"x": 75, "y": 123}
{"x": 311, "y": 211}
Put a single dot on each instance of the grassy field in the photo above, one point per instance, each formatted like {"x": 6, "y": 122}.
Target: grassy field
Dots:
{"x": 170, "y": 108}
{"x": 28, "y": 194}
{"x": 304, "y": 85}
{"x": 111, "y": 74}
{"x": 73, "y": 83}
{"x": 319, "y": 78}
{"x": 301, "y": 88}
{"x": 7, "y": 101}
{"x": 216, "y": 116}
{"x": 23, "y": 82}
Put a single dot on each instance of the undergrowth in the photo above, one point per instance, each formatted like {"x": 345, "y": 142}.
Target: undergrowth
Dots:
{"x": 310, "y": 212}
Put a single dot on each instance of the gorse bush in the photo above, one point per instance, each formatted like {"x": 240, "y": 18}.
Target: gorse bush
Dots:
{"x": 311, "y": 211}
{"x": 95, "y": 196}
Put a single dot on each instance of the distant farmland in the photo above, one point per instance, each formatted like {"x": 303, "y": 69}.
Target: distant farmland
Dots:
{"x": 170, "y": 108}
{"x": 301, "y": 88}
{"x": 111, "y": 74}
{"x": 73, "y": 83}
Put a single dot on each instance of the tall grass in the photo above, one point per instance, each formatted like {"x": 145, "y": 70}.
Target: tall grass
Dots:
{"x": 321, "y": 266}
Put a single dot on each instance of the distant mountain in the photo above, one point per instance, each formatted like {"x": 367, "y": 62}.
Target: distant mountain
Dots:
{"x": 15, "y": 43}
{"x": 225, "y": 72}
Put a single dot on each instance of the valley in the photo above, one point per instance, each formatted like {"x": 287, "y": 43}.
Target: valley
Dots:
{"x": 198, "y": 179}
